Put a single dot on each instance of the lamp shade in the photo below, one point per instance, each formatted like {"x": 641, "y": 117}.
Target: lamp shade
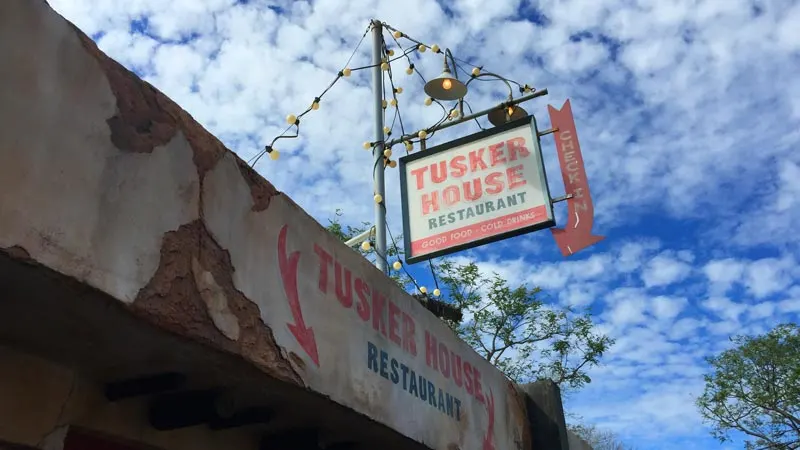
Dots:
{"x": 500, "y": 116}
{"x": 445, "y": 87}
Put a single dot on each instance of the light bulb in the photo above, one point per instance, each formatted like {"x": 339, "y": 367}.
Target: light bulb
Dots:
{"x": 387, "y": 153}
{"x": 437, "y": 292}
{"x": 392, "y": 164}
{"x": 423, "y": 289}
{"x": 274, "y": 154}
{"x": 510, "y": 110}
{"x": 454, "y": 113}
{"x": 365, "y": 246}
{"x": 422, "y": 134}
{"x": 410, "y": 70}
{"x": 476, "y": 71}
{"x": 447, "y": 84}
{"x": 409, "y": 146}
{"x": 383, "y": 102}
{"x": 421, "y": 48}
{"x": 378, "y": 198}
{"x": 393, "y": 102}
{"x": 435, "y": 48}
{"x": 386, "y": 129}
{"x": 385, "y": 66}
{"x": 397, "y": 265}
{"x": 346, "y": 72}
{"x": 315, "y": 106}
{"x": 291, "y": 119}
{"x": 398, "y": 34}
{"x": 367, "y": 145}
{"x": 390, "y": 52}
{"x": 399, "y": 90}
{"x": 428, "y": 101}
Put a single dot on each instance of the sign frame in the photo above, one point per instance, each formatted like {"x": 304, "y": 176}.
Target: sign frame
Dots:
{"x": 403, "y": 162}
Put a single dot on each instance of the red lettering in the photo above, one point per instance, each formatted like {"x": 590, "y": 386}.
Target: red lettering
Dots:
{"x": 457, "y": 370}
{"x": 344, "y": 290}
{"x": 362, "y": 290}
{"x": 438, "y": 172}
{"x": 473, "y": 191}
{"x": 477, "y": 385}
{"x": 468, "y": 378}
{"x": 444, "y": 360}
{"x": 430, "y": 202}
{"x": 494, "y": 181}
{"x": 325, "y": 260}
{"x": 378, "y": 317}
{"x": 394, "y": 323}
{"x": 515, "y": 178}
{"x": 459, "y": 168}
{"x": 420, "y": 174}
{"x": 451, "y": 195}
{"x": 409, "y": 335}
{"x": 431, "y": 358}
{"x": 476, "y": 160}
{"x": 517, "y": 146}
{"x": 496, "y": 154}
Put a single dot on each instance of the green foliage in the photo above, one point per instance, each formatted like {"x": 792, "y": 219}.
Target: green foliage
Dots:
{"x": 516, "y": 331}
{"x": 754, "y": 388}
{"x": 599, "y": 439}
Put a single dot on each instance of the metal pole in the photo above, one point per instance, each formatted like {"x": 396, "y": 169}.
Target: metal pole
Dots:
{"x": 378, "y": 167}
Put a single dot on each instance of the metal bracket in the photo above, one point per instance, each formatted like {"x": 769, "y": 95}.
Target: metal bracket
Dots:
{"x": 561, "y": 199}
{"x": 548, "y": 131}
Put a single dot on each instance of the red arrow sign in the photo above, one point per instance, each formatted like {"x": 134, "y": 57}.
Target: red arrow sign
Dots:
{"x": 577, "y": 235}
{"x": 288, "y": 268}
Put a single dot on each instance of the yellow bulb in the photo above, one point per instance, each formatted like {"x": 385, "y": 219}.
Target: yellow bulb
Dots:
{"x": 365, "y": 246}
{"x": 422, "y": 134}
{"x": 392, "y": 164}
{"x": 399, "y": 90}
{"x": 385, "y": 66}
{"x": 437, "y": 292}
{"x": 397, "y": 265}
{"x": 393, "y": 102}
{"x": 435, "y": 48}
{"x": 386, "y": 129}
{"x": 291, "y": 119}
{"x": 398, "y": 34}
{"x": 378, "y": 198}
{"x": 410, "y": 70}
{"x": 383, "y": 103}
{"x": 428, "y": 101}
{"x": 315, "y": 106}
{"x": 510, "y": 110}
{"x": 447, "y": 84}
{"x": 367, "y": 145}
{"x": 274, "y": 154}
{"x": 423, "y": 289}
{"x": 409, "y": 146}
{"x": 421, "y": 48}
{"x": 387, "y": 153}
{"x": 390, "y": 52}
{"x": 454, "y": 113}
{"x": 346, "y": 72}
{"x": 475, "y": 72}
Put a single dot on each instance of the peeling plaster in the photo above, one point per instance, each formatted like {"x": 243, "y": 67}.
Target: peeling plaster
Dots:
{"x": 217, "y": 303}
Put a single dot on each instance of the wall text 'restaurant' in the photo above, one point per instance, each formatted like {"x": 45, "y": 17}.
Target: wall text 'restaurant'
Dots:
{"x": 399, "y": 328}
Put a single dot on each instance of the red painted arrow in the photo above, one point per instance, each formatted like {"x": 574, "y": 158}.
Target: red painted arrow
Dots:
{"x": 488, "y": 439}
{"x": 288, "y": 268}
{"x": 577, "y": 235}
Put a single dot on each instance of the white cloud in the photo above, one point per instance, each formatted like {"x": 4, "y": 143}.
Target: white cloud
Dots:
{"x": 664, "y": 270}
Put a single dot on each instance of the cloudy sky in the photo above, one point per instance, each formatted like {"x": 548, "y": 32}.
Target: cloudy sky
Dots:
{"x": 688, "y": 112}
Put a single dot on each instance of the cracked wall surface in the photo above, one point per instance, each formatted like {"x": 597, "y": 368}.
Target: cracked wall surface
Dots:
{"x": 106, "y": 180}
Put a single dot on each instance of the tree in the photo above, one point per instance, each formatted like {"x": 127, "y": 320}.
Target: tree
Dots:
{"x": 508, "y": 325}
{"x": 599, "y": 439}
{"x": 517, "y": 332}
{"x": 754, "y": 388}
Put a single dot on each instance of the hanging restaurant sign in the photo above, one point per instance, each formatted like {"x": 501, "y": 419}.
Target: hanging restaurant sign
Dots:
{"x": 474, "y": 190}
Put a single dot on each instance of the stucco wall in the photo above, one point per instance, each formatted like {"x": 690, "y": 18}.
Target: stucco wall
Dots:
{"x": 39, "y": 400}
{"x": 107, "y": 181}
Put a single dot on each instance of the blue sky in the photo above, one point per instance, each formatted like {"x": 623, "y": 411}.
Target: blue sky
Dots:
{"x": 688, "y": 112}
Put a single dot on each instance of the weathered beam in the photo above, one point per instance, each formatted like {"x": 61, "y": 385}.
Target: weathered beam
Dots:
{"x": 249, "y": 416}
{"x": 299, "y": 439}
{"x": 183, "y": 409}
{"x": 146, "y": 385}
{"x": 545, "y": 415}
